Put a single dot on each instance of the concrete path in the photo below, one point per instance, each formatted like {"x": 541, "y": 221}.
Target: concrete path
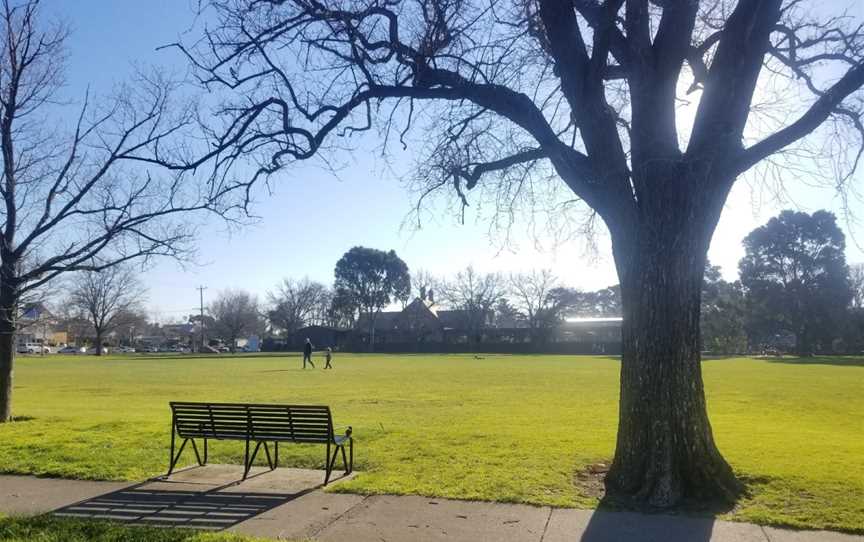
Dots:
{"x": 290, "y": 503}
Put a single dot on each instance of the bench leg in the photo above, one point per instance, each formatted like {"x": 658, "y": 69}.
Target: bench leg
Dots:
{"x": 331, "y": 461}
{"x": 171, "y": 453}
{"x": 351, "y": 455}
{"x": 251, "y": 459}
{"x": 205, "y": 451}
{"x": 176, "y": 458}
{"x": 246, "y": 460}
{"x": 267, "y": 453}
{"x": 344, "y": 460}
{"x": 327, "y": 465}
{"x": 197, "y": 455}
{"x": 276, "y": 453}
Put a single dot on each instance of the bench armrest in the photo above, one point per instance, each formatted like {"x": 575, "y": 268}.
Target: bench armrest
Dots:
{"x": 348, "y": 429}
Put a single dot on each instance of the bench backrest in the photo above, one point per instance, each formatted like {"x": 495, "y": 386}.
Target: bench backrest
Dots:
{"x": 239, "y": 421}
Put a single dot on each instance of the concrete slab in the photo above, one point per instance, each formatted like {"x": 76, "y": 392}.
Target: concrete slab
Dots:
{"x": 789, "y": 535}
{"x": 288, "y": 481}
{"x": 303, "y": 517}
{"x": 567, "y": 525}
{"x": 426, "y": 519}
{"x": 28, "y": 495}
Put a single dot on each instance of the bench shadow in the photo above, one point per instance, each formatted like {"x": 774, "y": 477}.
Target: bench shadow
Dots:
{"x": 151, "y": 503}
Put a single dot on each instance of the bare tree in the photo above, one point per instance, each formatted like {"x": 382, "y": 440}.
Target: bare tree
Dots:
{"x": 107, "y": 299}
{"x": 424, "y": 285}
{"x": 476, "y": 294}
{"x": 856, "y": 282}
{"x": 90, "y": 196}
{"x": 235, "y": 314}
{"x": 535, "y": 299}
{"x": 510, "y": 95}
{"x": 297, "y": 303}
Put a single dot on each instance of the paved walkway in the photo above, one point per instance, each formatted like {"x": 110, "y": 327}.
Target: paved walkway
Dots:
{"x": 290, "y": 503}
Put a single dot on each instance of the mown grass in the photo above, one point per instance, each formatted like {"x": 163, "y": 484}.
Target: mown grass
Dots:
{"x": 501, "y": 428}
{"x": 52, "y": 529}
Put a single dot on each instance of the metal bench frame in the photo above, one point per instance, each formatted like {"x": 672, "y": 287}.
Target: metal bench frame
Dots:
{"x": 258, "y": 424}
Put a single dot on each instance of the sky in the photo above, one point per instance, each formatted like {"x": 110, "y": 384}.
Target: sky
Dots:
{"x": 312, "y": 217}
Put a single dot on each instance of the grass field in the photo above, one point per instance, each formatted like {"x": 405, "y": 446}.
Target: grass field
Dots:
{"x": 47, "y": 528}
{"x": 503, "y": 428}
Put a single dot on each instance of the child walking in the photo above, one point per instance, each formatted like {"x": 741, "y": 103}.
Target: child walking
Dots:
{"x": 328, "y": 356}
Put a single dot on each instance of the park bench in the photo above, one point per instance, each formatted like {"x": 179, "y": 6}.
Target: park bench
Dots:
{"x": 259, "y": 425}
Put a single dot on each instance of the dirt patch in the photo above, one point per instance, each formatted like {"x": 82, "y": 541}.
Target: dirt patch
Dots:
{"x": 589, "y": 480}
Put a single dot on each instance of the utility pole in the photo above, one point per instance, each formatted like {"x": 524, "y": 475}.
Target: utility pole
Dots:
{"x": 201, "y": 292}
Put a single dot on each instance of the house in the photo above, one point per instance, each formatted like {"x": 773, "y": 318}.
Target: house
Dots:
{"x": 603, "y": 334}
{"x": 421, "y": 326}
{"x": 320, "y": 336}
{"x": 36, "y": 324}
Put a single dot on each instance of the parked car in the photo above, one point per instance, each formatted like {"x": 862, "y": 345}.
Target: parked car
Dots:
{"x": 125, "y": 350}
{"x": 72, "y": 350}
{"x": 92, "y": 351}
{"x": 33, "y": 348}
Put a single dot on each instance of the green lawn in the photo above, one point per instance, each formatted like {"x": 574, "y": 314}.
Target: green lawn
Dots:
{"x": 47, "y": 528}
{"x": 504, "y": 428}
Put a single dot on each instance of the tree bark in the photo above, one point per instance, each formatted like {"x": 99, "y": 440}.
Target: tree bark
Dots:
{"x": 98, "y": 343}
{"x": 665, "y": 452}
{"x": 7, "y": 351}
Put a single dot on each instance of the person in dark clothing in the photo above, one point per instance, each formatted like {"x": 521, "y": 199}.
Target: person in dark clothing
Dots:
{"x": 307, "y": 354}
{"x": 328, "y": 357}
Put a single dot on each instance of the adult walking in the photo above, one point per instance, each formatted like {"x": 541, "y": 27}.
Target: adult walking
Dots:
{"x": 307, "y": 354}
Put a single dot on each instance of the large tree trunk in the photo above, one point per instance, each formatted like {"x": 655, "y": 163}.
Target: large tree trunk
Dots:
{"x": 665, "y": 452}
{"x": 7, "y": 351}
{"x": 98, "y": 343}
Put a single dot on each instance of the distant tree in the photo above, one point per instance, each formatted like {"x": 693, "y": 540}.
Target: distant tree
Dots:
{"x": 476, "y": 294}
{"x": 371, "y": 279}
{"x": 506, "y": 315}
{"x": 856, "y": 282}
{"x": 605, "y": 302}
{"x": 343, "y": 309}
{"x": 108, "y": 299}
{"x": 534, "y": 297}
{"x": 235, "y": 314}
{"x": 424, "y": 285}
{"x": 796, "y": 279}
{"x": 297, "y": 303}
{"x": 131, "y": 323}
{"x": 723, "y": 314}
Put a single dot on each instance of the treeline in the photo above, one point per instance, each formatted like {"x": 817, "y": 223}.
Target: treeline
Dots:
{"x": 368, "y": 281}
{"x": 795, "y": 293}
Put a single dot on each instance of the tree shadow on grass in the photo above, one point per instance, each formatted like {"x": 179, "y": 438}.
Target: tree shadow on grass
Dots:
{"x": 840, "y": 361}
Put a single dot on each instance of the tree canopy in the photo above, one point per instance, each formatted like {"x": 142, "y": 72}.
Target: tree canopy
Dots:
{"x": 370, "y": 279}
{"x": 797, "y": 281}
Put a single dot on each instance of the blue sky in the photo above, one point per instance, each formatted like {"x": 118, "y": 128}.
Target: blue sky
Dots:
{"x": 313, "y": 217}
